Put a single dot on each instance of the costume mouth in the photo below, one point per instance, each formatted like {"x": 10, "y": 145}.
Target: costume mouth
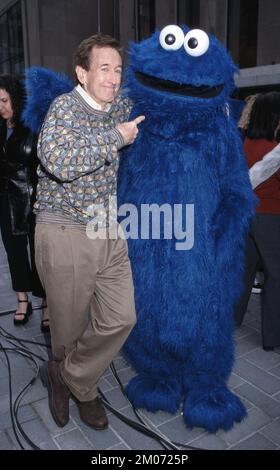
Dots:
{"x": 177, "y": 88}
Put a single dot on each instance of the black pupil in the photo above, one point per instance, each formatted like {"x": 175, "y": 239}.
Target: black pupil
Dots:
{"x": 192, "y": 43}
{"x": 170, "y": 39}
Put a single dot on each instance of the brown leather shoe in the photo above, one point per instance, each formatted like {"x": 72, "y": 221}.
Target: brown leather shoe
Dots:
{"x": 58, "y": 392}
{"x": 93, "y": 413}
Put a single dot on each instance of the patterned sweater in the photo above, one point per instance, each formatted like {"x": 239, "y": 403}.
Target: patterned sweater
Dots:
{"x": 78, "y": 150}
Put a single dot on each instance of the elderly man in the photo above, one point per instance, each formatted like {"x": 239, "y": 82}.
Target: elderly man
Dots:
{"x": 87, "y": 279}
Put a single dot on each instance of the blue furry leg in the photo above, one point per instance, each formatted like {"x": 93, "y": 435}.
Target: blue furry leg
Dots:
{"x": 154, "y": 394}
{"x": 213, "y": 408}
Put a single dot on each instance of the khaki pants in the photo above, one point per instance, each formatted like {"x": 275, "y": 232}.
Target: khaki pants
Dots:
{"x": 90, "y": 297}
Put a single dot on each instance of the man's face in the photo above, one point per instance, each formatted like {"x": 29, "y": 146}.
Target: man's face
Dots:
{"x": 102, "y": 80}
{"x": 6, "y": 110}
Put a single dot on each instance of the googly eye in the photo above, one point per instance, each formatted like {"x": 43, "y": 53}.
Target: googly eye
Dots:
{"x": 196, "y": 42}
{"x": 171, "y": 38}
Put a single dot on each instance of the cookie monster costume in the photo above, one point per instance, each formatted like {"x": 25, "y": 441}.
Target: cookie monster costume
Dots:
{"x": 188, "y": 152}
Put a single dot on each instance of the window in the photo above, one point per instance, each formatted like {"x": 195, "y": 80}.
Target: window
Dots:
{"x": 11, "y": 40}
{"x": 188, "y": 12}
{"x": 243, "y": 31}
{"x": 145, "y": 18}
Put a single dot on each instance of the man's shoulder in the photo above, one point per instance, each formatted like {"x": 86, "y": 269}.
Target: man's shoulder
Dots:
{"x": 62, "y": 107}
{"x": 123, "y": 103}
{"x": 123, "y": 99}
{"x": 64, "y": 99}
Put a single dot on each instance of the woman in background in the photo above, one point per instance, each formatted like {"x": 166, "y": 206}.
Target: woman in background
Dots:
{"x": 17, "y": 192}
{"x": 263, "y": 247}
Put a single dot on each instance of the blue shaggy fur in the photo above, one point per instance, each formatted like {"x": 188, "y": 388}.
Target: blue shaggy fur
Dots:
{"x": 42, "y": 86}
{"x": 188, "y": 151}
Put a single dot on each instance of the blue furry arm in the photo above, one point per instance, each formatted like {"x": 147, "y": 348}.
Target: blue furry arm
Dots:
{"x": 42, "y": 86}
{"x": 68, "y": 145}
{"x": 238, "y": 202}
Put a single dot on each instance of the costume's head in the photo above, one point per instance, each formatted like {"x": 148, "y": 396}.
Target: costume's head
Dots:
{"x": 185, "y": 66}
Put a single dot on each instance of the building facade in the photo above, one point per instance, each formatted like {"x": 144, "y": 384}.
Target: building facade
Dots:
{"x": 45, "y": 32}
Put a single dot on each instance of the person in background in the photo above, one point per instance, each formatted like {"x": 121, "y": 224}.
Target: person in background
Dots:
{"x": 17, "y": 189}
{"x": 243, "y": 124}
{"x": 263, "y": 246}
{"x": 265, "y": 168}
{"x": 88, "y": 279}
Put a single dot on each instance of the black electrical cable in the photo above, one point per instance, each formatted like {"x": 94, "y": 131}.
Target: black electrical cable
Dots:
{"x": 140, "y": 426}
{"x": 27, "y": 353}
{"x": 11, "y": 396}
{"x": 113, "y": 369}
{"x": 7, "y": 312}
{"x": 20, "y": 341}
{"x": 176, "y": 444}
{"x": 14, "y": 407}
{"x": 8, "y": 335}
{"x": 23, "y": 350}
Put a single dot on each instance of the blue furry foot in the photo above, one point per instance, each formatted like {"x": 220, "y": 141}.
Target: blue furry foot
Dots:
{"x": 154, "y": 395}
{"x": 213, "y": 409}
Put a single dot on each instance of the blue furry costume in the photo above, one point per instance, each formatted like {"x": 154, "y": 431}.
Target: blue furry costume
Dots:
{"x": 188, "y": 151}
